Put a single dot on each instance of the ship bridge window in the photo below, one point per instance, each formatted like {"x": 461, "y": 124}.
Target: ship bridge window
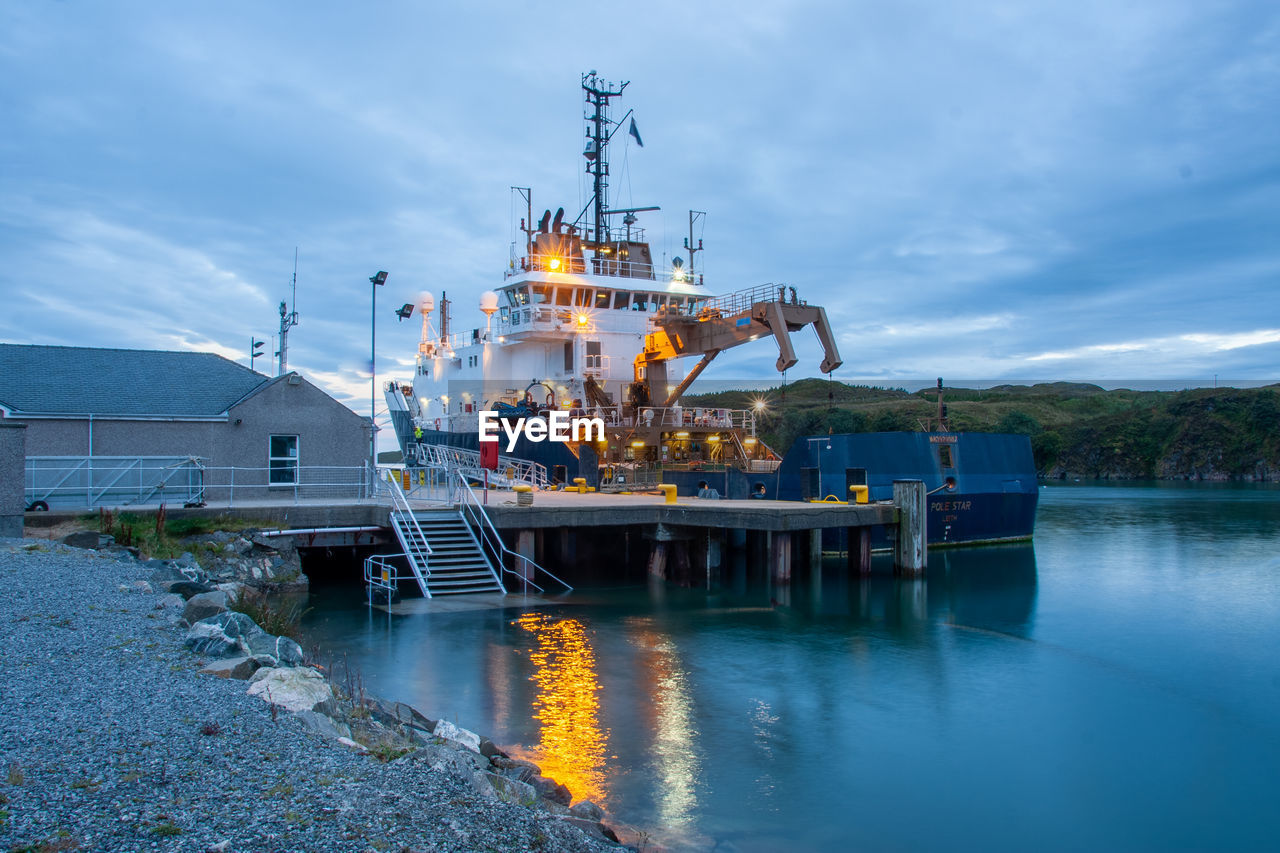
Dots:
{"x": 660, "y": 302}
{"x": 640, "y": 302}
{"x": 541, "y": 296}
{"x": 676, "y": 305}
{"x": 622, "y": 300}
{"x": 564, "y": 295}
{"x": 602, "y": 300}
{"x": 518, "y": 296}
{"x": 583, "y": 299}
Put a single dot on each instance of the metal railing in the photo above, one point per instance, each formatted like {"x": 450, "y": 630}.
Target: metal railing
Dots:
{"x": 406, "y": 524}
{"x": 478, "y": 518}
{"x": 511, "y": 469}
{"x": 381, "y": 573}
{"x": 741, "y": 300}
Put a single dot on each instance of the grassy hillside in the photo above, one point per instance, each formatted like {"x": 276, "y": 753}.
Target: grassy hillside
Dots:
{"x": 1076, "y": 430}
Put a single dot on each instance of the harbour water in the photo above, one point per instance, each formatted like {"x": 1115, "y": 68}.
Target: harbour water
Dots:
{"x": 1114, "y": 685}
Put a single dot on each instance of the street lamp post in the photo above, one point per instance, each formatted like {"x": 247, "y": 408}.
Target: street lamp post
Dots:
{"x": 375, "y": 281}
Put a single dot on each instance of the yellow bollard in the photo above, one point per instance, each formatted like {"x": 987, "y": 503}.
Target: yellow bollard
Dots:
{"x": 669, "y": 490}
{"x": 580, "y": 485}
{"x": 860, "y": 494}
{"x": 524, "y": 494}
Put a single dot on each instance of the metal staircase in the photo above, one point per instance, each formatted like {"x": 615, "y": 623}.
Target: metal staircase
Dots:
{"x": 457, "y": 562}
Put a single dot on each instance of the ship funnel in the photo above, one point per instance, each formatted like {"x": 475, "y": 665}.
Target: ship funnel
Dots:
{"x": 542, "y": 223}
{"x": 558, "y": 222}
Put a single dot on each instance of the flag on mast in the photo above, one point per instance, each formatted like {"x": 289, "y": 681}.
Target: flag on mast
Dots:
{"x": 636, "y": 133}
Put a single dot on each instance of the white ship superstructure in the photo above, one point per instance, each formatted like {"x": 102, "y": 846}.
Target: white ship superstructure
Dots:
{"x": 585, "y": 321}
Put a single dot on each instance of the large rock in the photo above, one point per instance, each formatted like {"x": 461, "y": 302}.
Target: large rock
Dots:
{"x": 449, "y": 731}
{"x": 512, "y": 791}
{"x": 292, "y": 688}
{"x": 587, "y": 810}
{"x": 189, "y": 589}
{"x": 242, "y": 668}
{"x": 204, "y": 605}
{"x": 398, "y": 713}
{"x": 551, "y": 790}
{"x": 324, "y": 725}
{"x": 219, "y": 636}
{"x": 88, "y": 539}
{"x": 272, "y": 651}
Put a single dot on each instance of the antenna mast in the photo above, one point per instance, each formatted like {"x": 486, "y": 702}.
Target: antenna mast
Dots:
{"x": 599, "y": 93}
{"x": 287, "y": 321}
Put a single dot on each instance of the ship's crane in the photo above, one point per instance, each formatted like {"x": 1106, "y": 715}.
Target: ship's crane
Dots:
{"x": 723, "y": 323}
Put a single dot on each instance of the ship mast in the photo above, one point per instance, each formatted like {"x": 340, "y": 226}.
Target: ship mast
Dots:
{"x": 599, "y": 93}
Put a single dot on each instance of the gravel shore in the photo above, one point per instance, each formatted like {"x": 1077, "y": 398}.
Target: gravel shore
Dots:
{"x": 110, "y": 739}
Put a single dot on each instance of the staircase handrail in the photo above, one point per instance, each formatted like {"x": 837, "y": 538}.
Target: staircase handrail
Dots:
{"x": 400, "y": 508}
{"x": 472, "y": 507}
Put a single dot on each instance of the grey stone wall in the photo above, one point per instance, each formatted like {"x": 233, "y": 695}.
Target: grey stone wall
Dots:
{"x": 13, "y": 456}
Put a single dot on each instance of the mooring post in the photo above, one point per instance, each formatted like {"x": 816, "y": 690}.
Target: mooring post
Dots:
{"x": 815, "y": 548}
{"x": 861, "y": 537}
{"x": 780, "y": 556}
{"x": 525, "y": 547}
{"x": 910, "y": 551}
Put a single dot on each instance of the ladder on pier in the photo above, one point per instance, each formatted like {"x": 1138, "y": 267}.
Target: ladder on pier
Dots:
{"x": 443, "y": 553}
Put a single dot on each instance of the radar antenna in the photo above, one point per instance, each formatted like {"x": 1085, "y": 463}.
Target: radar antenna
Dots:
{"x": 288, "y": 319}
{"x": 599, "y": 93}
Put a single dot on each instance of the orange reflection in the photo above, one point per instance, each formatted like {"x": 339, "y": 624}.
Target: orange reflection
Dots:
{"x": 572, "y": 750}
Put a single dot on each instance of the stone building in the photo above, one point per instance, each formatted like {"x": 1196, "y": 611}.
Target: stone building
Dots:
{"x": 112, "y": 410}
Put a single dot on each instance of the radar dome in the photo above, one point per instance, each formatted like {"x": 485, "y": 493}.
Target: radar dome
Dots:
{"x": 427, "y": 302}
{"x": 488, "y": 302}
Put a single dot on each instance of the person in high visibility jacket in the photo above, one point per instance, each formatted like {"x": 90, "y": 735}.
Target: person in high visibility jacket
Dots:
{"x": 417, "y": 433}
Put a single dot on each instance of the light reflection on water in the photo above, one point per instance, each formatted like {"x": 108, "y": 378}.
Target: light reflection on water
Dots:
{"x": 1113, "y": 686}
{"x": 674, "y": 745}
{"x": 572, "y": 745}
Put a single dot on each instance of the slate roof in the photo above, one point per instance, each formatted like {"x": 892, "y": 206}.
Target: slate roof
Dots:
{"x": 81, "y": 380}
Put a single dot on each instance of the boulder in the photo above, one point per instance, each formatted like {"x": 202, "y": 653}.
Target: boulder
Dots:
{"x": 593, "y": 828}
{"x": 219, "y": 636}
{"x": 398, "y": 713}
{"x": 292, "y": 688}
{"x": 552, "y": 790}
{"x": 241, "y": 668}
{"x": 88, "y": 539}
{"x": 324, "y": 725}
{"x": 514, "y": 768}
{"x": 448, "y": 730}
{"x": 587, "y": 810}
{"x": 170, "y": 601}
{"x": 204, "y": 605}
{"x": 511, "y": 791}
{"x": 187, "y": 589}
{"x": 470, "y": 766}
{"x": 489, "y": 749}
{"x": 271, "y": 651}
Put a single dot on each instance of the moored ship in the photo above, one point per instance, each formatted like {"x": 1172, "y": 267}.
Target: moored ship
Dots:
{"x": 587, "y": 322}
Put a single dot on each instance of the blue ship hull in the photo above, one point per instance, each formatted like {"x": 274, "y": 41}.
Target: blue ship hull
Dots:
{"x": 993, "y": 476}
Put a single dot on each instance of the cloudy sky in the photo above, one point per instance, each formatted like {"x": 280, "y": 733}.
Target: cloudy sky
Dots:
{"x": 1035, "y": 190}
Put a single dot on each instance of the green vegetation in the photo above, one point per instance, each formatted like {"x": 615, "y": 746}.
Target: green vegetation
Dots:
{"x": 272, "y": 615}
{"x": 1076, "y": 430}
{"x": 157, "y": 536}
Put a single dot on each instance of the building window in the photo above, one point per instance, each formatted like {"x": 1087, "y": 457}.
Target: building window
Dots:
{"x": 283, "y": 460}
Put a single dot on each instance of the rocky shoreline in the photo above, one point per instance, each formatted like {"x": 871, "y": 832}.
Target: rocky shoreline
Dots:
{"x": 138, "y": 712}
